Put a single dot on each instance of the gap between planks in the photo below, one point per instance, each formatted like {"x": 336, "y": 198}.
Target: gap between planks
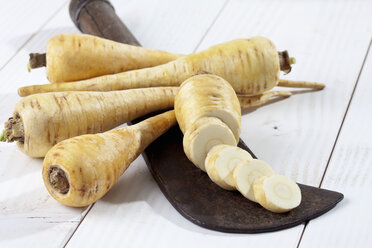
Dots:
{"x": 194, "y": 50}
{"x": 339, "y": 130}
{"x": 212, "y": 24}
{"x": 34, "y": 34}
{"x": 78, "y": 225}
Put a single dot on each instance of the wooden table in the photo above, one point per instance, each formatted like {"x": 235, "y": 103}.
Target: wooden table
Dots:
{"x": 319, "y": 138}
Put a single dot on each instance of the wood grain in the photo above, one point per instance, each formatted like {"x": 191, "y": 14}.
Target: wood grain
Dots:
{"x": 296, "y": 135}
{"x": 349, "y": 171}
{"x": 44, "y": 219}
{"x": 20, "y": 21}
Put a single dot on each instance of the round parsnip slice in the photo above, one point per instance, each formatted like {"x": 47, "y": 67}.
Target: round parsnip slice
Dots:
{"x": 277, "y": 193}
{"x": 204, "y": 134}
{"x": 245, "y": 174}
{"x": 221, "y": 161}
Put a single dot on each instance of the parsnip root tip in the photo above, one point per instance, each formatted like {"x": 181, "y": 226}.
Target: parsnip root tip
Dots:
{"x": 258, "y": 100}
{"x": 300, "y": 84}
{"x": 21, "y": 92}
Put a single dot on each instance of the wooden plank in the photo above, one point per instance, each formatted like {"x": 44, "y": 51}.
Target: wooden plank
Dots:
{"x": 350, "y": 172}
{"x": 296, "y": 135}
{"x": 136, "y": 214}
{"x": 174, "y": 26}
{"x": 24, "y": 200}
{"x": 28, "y": 215}
{"x": 20, "y": 20}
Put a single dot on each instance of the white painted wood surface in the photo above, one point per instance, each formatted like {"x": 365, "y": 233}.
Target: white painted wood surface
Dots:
{"x": 349, "y": 171}
{"x": 296, "y": 136}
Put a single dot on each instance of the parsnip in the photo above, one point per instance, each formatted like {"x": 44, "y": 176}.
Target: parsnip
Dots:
{"x": 251, "y": 66}
{"x": 244, "y": 175}
{"x": 71, "y": 57}
{"x": 257, "y": 100}
{"x": 207, "y": 95}
{"x": 221, "y": 161}
{"x": 277, "y": 193}
{"x": 80, "y": 170}
{"x": 41, "y": 121}
{"x": 204, "y": 134}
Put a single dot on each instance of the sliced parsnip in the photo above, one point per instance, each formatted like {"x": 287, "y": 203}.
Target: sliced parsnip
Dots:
{"x": 204, "y": 134}
{"x": 245, "y": 174}
{"x": 79, "y": 171}
{"x": 277, "y": 193}
{"x": 207, "y": 95}
{"x": 43, "y": 120}
{"x": 221, "y": 161}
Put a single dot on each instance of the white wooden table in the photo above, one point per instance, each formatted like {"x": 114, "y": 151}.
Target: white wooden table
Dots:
{"x": 321, "y": 138}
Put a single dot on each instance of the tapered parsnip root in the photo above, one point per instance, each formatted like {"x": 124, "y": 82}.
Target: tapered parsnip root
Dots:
{"x": 251, "y": 66}
{"x": 71, "y": 57}
{"x": 257, "y": 100}
{"x": 204, "y": 134}
{"x": 245, "y": 173}
{"x": 79, "y": 171}
{"x": 207, "y": 95}
{"x": 300, "y": 84}
{"x": 221, "y": 161}
{"x": 41, "y": 121}
{"x": 277, "y": 193}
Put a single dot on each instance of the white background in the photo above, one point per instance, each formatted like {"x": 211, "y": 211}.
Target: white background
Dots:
{"x": 319, "y": 138}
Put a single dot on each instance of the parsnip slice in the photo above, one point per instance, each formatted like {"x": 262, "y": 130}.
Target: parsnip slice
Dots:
{"x": 277, "y": 193}
{"x": 245, "y": 174}
{"x": 204, "y": 134}
{"x": 221, "y": 161}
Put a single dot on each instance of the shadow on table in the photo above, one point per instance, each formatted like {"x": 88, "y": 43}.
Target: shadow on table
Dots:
{"x": 139, "y": 186}
{"x": 277, "y": 99}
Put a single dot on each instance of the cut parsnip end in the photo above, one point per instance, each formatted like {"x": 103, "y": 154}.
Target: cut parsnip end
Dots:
{"x": 221, "y": 161}
{"x": 245, "y": 174}
{"x": 204, "y": 134}
{"x": 207, "y": 96}
{"x": 277, "y": 193}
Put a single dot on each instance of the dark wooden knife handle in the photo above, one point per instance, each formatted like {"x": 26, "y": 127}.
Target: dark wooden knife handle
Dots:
{"x": 98, "y": 17}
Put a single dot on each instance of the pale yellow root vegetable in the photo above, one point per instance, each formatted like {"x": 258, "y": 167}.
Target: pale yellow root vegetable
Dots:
{"x": 251, "y": 66}
{"x": 221, "y": 161}
{"x": 41, "y": 121}
{"x": 245, "y": 173}
{"x": 300, "y": 84}
{"x": 207, "y": 95}
{"x": 277, "y": 193}
{"x": 204, "y": 134}
{"x": 79, "y": 171}
{"x": 71, "y": 57}
{"x": 257, "y": 100}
